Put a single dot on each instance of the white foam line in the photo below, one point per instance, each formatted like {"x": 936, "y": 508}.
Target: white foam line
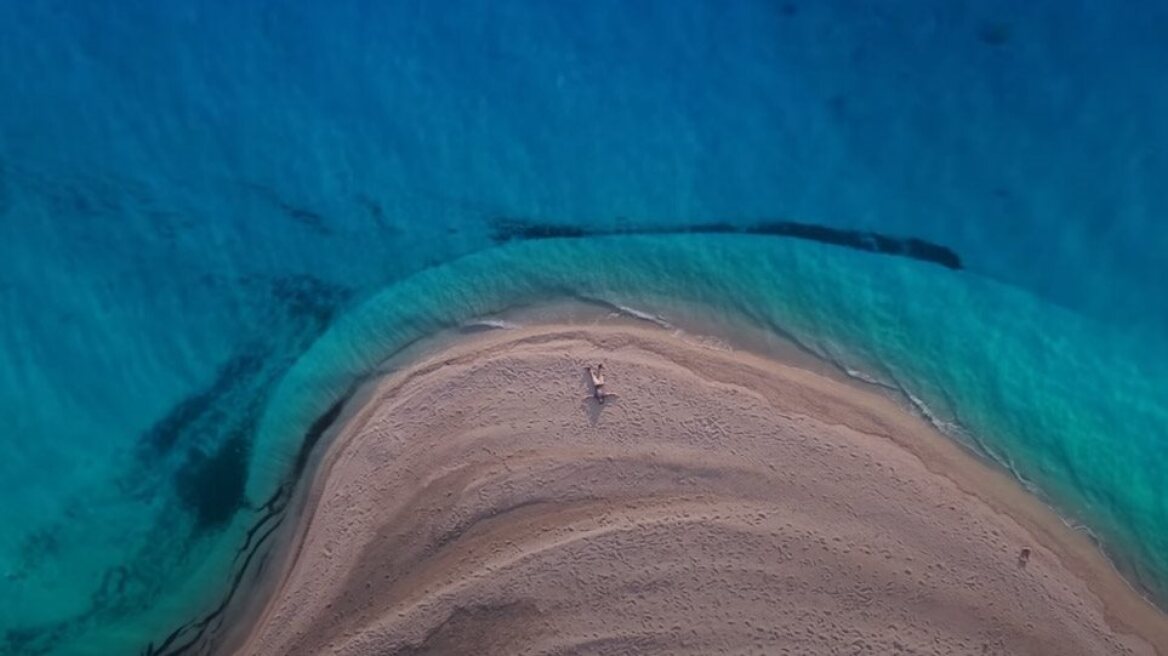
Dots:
{"x": 957, "y": 432}
{"x": 488, "y": 324}
{"x": 644, "y": 316}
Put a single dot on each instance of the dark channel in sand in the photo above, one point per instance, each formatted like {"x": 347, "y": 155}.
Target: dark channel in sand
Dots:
{"x": 506, "y": 229}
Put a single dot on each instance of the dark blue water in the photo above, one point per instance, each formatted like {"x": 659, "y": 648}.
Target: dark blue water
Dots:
{"x": 215, "y": 215}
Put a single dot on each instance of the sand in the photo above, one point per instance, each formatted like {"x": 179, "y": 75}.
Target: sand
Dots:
{"x": 480, "y": 502}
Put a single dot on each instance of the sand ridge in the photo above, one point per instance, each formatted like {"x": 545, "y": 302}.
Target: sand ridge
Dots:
{"x": 480, "y": 502}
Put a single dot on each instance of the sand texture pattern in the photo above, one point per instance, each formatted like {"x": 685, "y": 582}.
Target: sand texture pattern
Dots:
{"x": 481, "y": 503}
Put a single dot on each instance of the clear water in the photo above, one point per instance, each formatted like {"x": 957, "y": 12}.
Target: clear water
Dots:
{"x": 214, "y": 216}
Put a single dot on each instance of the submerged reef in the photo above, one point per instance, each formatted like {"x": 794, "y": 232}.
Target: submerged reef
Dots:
{"x": 505, "y": 229}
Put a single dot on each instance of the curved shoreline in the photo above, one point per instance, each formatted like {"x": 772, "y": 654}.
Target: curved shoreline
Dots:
{"x": 828, "y": 402}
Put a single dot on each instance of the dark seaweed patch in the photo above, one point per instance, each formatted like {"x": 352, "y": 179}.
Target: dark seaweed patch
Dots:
{"x": 300, "y": 300}
{"x": 205, "y": 436}
{"x": 37, "y": 546}
{"x": 376, "y": 212}
{"x": 198, "y": 411}
{"x": 308, "y": 297}
{"x": 872, "y": 242}
{"x": 211, "y": 486}
{"x": 505, "y": 229}
{"x": 301, "y": 215}
{"x": 32, "y": 642}
{"x": 113, "y": 585}
{"x": 307, "y": 217}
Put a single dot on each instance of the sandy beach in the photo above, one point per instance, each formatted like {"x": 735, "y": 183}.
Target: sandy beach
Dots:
{"x": 479, "y": 501}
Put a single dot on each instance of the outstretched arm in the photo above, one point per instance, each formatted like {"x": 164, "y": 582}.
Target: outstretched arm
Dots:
{"x": 596, "y": 379}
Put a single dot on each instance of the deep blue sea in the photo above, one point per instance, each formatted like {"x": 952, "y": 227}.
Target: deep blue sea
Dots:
{"x": 216, "y": 216}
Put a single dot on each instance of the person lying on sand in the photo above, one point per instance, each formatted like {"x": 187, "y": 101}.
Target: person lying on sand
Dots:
{"x": 597, "y": 375}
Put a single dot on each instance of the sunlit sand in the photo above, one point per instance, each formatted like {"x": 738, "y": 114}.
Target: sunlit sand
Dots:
{"x": 482, "y": 501}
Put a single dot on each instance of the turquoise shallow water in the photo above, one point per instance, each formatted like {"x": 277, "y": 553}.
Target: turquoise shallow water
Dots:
{"x": 215, "y": 217}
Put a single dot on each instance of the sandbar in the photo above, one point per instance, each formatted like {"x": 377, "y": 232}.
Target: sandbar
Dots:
{"x": 480, "y": 501}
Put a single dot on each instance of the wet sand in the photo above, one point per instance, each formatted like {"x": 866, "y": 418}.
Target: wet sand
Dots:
{"x": 480, "y": 502}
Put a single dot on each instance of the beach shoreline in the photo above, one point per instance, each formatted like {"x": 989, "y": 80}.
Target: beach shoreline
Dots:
{"x": 856, "y": 405}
